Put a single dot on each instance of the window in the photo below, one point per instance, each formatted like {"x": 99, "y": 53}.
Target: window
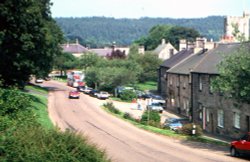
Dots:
{"x": 170, "y": 80}
{"x": 210, "y": 85}
{"x": 220, "y": 118}
{"x": 236, "y": 120}
{"x": 207, "y": 115}
{"x": 184, "y": 85}
{"x": 200, "y": 83}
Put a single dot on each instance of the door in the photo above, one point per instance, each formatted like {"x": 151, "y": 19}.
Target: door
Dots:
{"x": 212, "y": 122}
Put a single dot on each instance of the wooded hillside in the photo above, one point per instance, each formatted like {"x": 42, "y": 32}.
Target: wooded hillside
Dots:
{"x": 99, "y": 31}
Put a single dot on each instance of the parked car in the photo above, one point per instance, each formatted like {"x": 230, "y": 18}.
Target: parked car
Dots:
{"x": 146, "y": 96}
{"x": 102, "y": 95}
{"x": 74, "y": 94}
{"x": 81, "y": 88}
{"x": 241, "y": 146}
{"x": 87, "y": 90}
{"x": 175, "y": 123}
{"x": 39, "y": 80}
{"x": 155, "y": 106}
{"x": 93, "y": 92}
{"x": 156, "y": 98}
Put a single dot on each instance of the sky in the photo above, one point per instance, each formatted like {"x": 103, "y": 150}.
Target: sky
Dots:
{"x": 149, "y": 8}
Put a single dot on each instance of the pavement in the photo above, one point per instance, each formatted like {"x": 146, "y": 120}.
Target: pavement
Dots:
{"x": 132, "y": 108}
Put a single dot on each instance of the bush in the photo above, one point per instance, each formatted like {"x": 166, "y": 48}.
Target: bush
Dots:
{"x": 128, "y": 95}
{"x": 128, "y": 116}
{"x": 110, "y": 106}
{"x": 187, "y": 130}
{"x": 35, "y": 144}
{"x": 152, "y": 118}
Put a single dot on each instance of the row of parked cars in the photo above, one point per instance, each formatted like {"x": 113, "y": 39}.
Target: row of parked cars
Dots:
{"x": 90, "y": 91}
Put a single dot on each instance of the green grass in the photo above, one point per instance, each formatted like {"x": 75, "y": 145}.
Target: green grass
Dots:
{"x": 147, "y": 86}
{"x": 61, "y": 78}
{"x": 41, "y": 111}
{"x": 36, "y": 89}
{"x": 40, "y": 103}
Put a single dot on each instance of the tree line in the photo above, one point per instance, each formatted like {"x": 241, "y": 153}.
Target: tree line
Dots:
{"x": 100, "y": 31}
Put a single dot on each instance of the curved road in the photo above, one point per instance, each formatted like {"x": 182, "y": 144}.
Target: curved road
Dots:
{"x": 122, "y": 141}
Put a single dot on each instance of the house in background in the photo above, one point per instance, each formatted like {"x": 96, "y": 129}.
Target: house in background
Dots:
{"x": 165, "y": 50}
{"x": 75, "y": 49}
{"x": 242, "y": 24}
{"x": 213, "y": 111}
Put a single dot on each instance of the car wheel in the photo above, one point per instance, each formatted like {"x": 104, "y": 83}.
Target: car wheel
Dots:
{"x": 233, "y": 152}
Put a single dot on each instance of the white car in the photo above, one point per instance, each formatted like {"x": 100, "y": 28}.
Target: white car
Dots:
{"x": 158, "y": 99}
{"x": 155, "y": 106}
{"x": 39, "y": 80}
{"x": 102, "y": 95}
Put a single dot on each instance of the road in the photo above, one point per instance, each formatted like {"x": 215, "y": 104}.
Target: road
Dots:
{"x": 122, "y": 141}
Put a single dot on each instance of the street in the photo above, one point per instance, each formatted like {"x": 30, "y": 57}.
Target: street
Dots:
{"x": 122, "y": 141}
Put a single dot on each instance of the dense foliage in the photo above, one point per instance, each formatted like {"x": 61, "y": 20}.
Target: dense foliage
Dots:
{"x": 100, "y": 31}
{"x": 235, "y": 75}
{"x": 172, "y": 34}
{"x": 29, "y": 40}
{"x": 128, "y": 95}
{"x": 152, "y": 118}
{"x": 22, "y": 138}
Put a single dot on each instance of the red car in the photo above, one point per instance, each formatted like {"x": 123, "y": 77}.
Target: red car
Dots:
{"x": 241, "y": 146}
{"x": 74, "y": 94}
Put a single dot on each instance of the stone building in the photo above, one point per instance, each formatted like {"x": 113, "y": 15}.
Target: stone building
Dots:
{"x": 240, "y": 22}
{"x": 165, "y": 50}
{"x": 213, "y": 111}
{"x": 179, "y": 84}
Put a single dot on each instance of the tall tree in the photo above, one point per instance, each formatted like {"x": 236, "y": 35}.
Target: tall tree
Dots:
{"x": 235, "y": 75}
{"x": 171, "y": 34}
{"x": 65, "y": 61}
{"x": 29, "y": 40}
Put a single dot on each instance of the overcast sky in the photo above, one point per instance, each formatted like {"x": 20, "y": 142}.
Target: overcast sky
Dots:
{"x": 148, "y": 8}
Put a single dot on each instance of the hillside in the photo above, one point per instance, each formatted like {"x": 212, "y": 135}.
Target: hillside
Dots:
{"x": 99, "y": 31}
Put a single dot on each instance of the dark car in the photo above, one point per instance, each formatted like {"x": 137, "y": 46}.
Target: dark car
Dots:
{"x": 241, "y": 146}
{"x": 74, "y": 94}
{"x": 146, "y": 96}
{"x": 93, "y": 92}
{"x": 81, "y": 88}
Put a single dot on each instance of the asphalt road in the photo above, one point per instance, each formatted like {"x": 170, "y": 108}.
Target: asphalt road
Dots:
{"x": 122, "y": 141}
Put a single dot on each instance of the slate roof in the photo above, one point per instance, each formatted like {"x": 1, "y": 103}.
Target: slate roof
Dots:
{"x": 172, "y": 61}
{"x": 186, "y": 65}
{"x": 102, "y": 51}
{"x": 213, "y": 57}
{"x": 74, "y": 48}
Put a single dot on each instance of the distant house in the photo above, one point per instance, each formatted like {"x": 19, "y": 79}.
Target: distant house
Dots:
{"x": 165, "y": 50}
{"x": 74, "y": 48}
{"x": 213, "y": 111}
{"x": 102, "y": 52}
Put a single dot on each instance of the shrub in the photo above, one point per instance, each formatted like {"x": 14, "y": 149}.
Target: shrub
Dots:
{"x": 35, "y": 144}
{"x": 110, "y": 106}
{"x": 188, "y": 128}
{"x": 128, "y": 116}
{"x": 128, "y": 95}
{"x": 152, "y": 118}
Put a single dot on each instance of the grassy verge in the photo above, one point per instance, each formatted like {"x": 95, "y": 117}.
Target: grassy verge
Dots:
{"x": 147, "y": 86}
{"x": 40, "y": 102}
{"x": 60, "y": 78}
{"x": 167, "y": 132}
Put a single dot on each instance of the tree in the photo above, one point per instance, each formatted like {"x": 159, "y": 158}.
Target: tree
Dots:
{"x": 234, "y": 75}
{"x": 149, "y": 63}
{"x": 171, "y": 34}
{"x": 88, "y": 60}
{"x": 29, "y": 40}
{"x": 64, "y": 62}
{"x": 117, "y": 54}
